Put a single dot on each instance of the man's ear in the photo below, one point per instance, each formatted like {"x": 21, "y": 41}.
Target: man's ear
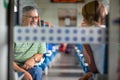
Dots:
{"x": 23, "y": 21}
{"x": 38, "y": 21}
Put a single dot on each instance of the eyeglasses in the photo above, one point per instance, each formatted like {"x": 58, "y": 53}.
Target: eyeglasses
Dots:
{"x": 32, "y": 17}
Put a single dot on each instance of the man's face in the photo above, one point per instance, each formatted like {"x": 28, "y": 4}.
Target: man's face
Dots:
{"x": 30, "y": 18}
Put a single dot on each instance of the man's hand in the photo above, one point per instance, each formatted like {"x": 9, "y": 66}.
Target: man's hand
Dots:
{"x": 27, "y": 76}
{"x": 29, "y": 64}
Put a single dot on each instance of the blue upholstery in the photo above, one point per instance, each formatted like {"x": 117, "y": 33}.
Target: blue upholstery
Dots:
{"x": 80, "y": 57}
{"x": 48, "y": 57}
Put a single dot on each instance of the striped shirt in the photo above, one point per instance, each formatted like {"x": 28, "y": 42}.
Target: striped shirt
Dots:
{"x": 25, "y": 50}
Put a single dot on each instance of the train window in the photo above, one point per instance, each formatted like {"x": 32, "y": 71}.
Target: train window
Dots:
{"x": 60, "y": 27}
{"x": 67, "y": 1}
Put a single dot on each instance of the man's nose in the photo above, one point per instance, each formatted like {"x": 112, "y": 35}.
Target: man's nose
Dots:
{"x": 33, "y": 18}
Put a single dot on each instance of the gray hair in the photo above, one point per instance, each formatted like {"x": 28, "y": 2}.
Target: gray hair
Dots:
{"x": 28, "y": 8}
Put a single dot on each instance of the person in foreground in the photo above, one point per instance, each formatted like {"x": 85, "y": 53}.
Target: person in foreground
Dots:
{"x": 27, "y": 54}
{"x": 94, "y": 14}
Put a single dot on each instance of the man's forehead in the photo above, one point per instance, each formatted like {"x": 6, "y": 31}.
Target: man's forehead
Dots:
{"x": 32, "y": 12}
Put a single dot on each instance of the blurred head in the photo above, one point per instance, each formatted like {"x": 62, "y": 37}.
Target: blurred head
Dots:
{"x": 30, "y": 16}
{"x": 94, "y": 13}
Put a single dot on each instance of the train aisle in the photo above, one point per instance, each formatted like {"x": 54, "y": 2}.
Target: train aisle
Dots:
{"x": 64, "y": 68}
